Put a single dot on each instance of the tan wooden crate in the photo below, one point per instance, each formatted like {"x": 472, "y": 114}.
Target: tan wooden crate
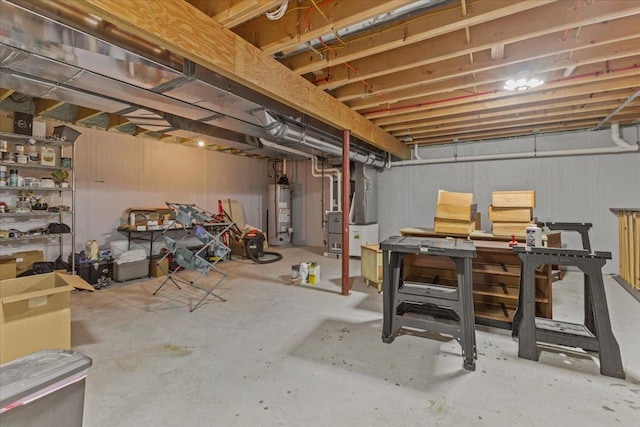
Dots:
{"x": 451, "y": 198}
{"x": 518, "y": 229}
{"x": 513, "y": 199}
{"x": 510, "y": 214}
{"x": 450, "y": 226}
{"x": 459, "y": 212}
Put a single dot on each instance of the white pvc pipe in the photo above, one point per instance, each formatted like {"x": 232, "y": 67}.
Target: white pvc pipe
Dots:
{"x": 617, "y": 138}
{"x": 621, "y": 146}
{"x": 314, "y": 160}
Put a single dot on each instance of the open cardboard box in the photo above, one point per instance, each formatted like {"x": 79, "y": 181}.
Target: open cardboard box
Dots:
{"x": 35, "y": 313}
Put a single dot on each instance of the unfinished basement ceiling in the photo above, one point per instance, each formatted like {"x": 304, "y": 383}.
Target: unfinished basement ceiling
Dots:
{"x": 400, "y": 72}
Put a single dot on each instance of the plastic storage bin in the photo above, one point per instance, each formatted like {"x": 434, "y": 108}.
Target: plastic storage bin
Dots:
{"x": 45, "y": 388}
{"x": 131, "y": 270}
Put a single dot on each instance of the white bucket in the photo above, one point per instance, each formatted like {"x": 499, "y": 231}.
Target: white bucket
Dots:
{"x": 534, "y": 236}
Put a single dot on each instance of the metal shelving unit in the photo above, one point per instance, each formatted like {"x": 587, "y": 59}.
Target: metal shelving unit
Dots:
{"x": 26, "y": 221}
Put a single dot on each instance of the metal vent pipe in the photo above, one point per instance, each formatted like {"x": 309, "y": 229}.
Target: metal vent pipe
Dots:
{"x": 290, "y": 133}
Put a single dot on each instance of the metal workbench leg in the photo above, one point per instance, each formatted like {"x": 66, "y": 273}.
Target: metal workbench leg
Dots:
{"x": 527, "y": 346}
{"x": 390, "y": 323}
{"x": 467, "y": 320}
{"x": 610, "y": 359}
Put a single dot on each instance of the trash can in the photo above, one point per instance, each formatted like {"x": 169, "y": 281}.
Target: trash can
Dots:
{"x": 45, "y": 388}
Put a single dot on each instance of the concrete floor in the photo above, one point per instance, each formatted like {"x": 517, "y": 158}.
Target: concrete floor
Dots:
{"x": 282, "y": 354}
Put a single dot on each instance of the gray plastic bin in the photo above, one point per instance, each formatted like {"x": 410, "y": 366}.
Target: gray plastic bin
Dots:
{"x": 45, "y": 388}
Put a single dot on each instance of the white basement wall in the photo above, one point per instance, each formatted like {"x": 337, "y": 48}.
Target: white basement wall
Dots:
{"x": 568, "y": 189}
{"x": 114, "y": 171}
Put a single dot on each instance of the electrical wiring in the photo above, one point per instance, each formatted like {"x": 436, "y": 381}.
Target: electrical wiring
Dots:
{"x": 279, "y": 13}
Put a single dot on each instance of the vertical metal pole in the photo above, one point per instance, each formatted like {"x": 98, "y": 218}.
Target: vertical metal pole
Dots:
{"x": 346, "y": 190}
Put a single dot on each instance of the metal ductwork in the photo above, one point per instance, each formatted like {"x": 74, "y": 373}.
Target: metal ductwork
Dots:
{"x": 289, "y": 132}
{"x": 93, "y": 65}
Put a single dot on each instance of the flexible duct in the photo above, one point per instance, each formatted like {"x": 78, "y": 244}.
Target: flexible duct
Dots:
{"x": 620, "y": 147}
{"x": 289, "y": 133}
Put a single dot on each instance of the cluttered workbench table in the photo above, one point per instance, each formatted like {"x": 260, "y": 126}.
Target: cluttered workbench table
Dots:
{"x": 496, "y": 276}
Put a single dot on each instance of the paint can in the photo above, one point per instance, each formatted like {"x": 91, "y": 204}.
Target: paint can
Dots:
{"x": 295, "y": 271}
{"x": 534, "y": 236}
{"x": 314, "y": 273}
{"x": 304, "y": 272}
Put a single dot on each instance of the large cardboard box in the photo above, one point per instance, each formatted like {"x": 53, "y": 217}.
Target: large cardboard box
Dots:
{"x": 7, "y": 267}
{"x": 35, "y": 313}
{"x": 25, "y": 259}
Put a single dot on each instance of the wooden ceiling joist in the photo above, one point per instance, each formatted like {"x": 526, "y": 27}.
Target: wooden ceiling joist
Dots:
{"x": 507, "y": 133}
{"x": 512, "y": 120}
{"x": 5, "y": 93}
{"x": 615, "y": 98}
{"x": 231, "y": 13}
{"x": 495, "y": 99}
{"x": 84, "y": 114}
{"x": 178, "y": 26}
{"x": 601, "y": 43}
{"x": 555, "y": 18}
{"x": 413, "y": 31}
{"x": 310, "y": 21}
{"x": 43, "y": 106}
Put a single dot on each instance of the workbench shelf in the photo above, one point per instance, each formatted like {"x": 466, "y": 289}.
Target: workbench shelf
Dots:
{"x": 496, "y": 280}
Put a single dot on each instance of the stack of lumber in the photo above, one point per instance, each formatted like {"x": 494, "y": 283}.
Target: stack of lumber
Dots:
{"x": 511, "y": 212}
{"x": 455, "y": 213}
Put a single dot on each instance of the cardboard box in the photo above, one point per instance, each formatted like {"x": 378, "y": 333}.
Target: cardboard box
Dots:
{"x": 24, "y": 260}
{"x": 6, "y": 121}
{"x": 35, "y": 313}
{"x": 155, "y": 269}
{"x": 7, "y": 267}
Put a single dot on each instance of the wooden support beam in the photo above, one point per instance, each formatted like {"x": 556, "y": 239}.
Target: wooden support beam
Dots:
{"x": 5, "y": 93}
{"x": 180, "y": 27}
{"x": 43, "y": 106}
{"x": 115, "y": 121}
{"x": 84, "y": 113}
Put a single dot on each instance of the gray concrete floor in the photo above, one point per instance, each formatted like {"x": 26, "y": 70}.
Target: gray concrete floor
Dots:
{"x": 282, "y": 354}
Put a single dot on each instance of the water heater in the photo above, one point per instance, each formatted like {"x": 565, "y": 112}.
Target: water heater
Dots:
{"x": 279, "y": 215}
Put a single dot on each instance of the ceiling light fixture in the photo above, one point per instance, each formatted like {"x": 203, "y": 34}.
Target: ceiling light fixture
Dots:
{"x": 200, "y": 143}
{"x": 522, "y": 83}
